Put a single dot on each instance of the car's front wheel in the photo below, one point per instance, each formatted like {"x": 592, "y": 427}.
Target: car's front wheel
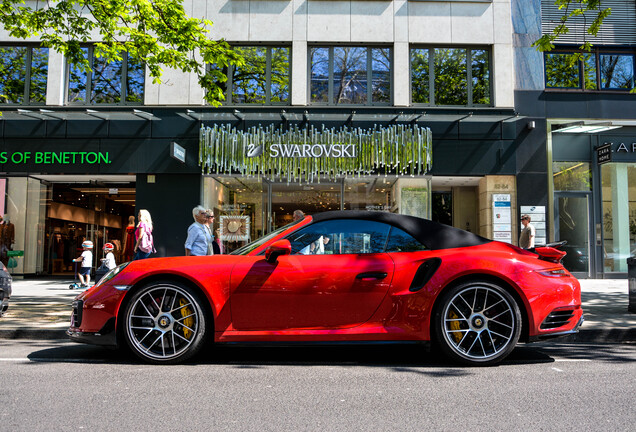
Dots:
{"x": 164, "y": 323}
{"x": 477, "y": 323}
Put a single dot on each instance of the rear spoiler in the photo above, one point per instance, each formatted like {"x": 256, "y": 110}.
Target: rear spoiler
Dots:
{"x": 551, "y": 252}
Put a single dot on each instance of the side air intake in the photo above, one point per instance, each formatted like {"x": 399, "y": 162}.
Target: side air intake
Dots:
{"x": 424, "y": 273}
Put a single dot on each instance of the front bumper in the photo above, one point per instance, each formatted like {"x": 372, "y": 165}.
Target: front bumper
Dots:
{"x": 4, "y": 304}
{"x": 107, "y": 336}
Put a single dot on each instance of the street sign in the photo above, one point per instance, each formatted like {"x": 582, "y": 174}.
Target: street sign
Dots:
{"x": 604, "y": 153}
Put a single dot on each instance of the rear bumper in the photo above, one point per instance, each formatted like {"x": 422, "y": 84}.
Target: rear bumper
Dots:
{"x": 557, "y": 334}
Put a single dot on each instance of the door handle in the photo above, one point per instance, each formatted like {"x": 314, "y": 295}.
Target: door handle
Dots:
{"x": 372, "y": 275}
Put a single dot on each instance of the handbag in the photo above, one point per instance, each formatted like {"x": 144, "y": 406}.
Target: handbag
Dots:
{"x": 146, "y": 243}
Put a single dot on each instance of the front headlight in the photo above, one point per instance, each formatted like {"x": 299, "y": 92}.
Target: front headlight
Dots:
{"x": 112, "y": 273}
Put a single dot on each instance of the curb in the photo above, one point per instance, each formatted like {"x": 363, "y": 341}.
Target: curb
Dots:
{"x": 616, "y": 336}
{"x": 33, "y": 334}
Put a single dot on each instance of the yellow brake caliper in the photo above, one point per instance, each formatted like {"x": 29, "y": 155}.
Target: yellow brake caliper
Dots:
{"x": 185, "y": 312}
{"x": 454, "y": 325}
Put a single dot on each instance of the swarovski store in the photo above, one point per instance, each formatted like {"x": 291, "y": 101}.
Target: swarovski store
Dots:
{"x": 594, "y": 206}
{"x": 256, "y": 179}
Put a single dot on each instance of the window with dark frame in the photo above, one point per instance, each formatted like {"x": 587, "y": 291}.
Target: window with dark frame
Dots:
{"x": 350, "y": 75}
{"x": 451, "y": 76}
{"x": 24, "y": 71}
{"x": 600, "y": 70}
{"x": 113, "y": 83}
{"x": 264, "y": 79}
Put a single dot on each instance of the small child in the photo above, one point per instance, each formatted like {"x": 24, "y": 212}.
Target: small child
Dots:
{"x": 86, "y": 258}
{"x": 109, "y": 260}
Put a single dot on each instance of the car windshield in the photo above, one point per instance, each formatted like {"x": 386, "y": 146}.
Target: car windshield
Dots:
{"x": 255, "y": 244}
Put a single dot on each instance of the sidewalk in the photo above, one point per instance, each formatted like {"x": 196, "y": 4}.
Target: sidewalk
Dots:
{"x": 41, "y": 309}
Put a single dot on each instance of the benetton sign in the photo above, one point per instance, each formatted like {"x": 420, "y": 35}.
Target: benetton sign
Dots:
{"x": 47, "y": 158}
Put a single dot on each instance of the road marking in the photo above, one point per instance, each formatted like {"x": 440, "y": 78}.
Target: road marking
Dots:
{"x": 50, "y": 360}
{"x": 557, "y": 369}
{"x": 572, "y": 360}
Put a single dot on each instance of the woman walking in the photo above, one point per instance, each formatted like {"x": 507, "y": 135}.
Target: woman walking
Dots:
{"x": 145, "y": 243}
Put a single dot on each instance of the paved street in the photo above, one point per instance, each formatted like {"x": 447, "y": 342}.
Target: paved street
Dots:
{"x": 57, "y": 385}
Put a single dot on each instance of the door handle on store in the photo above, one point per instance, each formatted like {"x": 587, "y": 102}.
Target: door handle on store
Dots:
{"x": 372, "y": 275}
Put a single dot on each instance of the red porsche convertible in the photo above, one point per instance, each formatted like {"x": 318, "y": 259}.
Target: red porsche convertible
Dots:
{"x": 338, "y": 276}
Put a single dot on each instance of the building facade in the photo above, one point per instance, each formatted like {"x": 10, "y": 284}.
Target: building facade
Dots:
{"x": 586, "y": 106}
{"x": 82, "y": 152}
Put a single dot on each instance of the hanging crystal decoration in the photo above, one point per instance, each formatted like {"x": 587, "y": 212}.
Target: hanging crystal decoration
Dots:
{"x": 309, "y": 154}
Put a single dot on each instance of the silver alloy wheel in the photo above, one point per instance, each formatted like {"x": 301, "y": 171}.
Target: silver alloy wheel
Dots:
{"x": 479, "y": 323}
{"x": 163, "y": 322}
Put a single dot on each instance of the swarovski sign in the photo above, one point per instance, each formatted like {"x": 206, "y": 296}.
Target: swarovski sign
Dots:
{"x": 305, "y": 150}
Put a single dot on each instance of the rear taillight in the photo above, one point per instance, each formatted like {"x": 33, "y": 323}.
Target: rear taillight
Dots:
{"x": 555, "y": 272}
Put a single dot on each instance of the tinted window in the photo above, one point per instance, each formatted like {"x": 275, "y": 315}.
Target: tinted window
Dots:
{"x": 399, "y": 241}
{"x": 340, "y": 237}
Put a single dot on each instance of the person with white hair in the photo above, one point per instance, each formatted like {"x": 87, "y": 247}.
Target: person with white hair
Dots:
{"x": 200, "y": 239}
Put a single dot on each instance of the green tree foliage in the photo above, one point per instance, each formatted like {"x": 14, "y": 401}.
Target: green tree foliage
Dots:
{"x": 157, "y": 33}
{"x": 571, "y": 9}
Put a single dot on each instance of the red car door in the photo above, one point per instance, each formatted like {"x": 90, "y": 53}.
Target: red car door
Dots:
{"x": 308, "y": 291}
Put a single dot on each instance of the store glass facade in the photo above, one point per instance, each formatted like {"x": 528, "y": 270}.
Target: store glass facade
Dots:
{"x": 247, "y": 208}
{"x": 618, "y": 182}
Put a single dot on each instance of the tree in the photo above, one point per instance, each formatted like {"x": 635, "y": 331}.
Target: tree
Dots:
{"x": 157, "y": 33}
{"x": 572, "y": 9}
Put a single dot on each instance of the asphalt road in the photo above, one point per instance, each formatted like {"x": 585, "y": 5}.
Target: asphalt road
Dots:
{"x": 57, "y": 385}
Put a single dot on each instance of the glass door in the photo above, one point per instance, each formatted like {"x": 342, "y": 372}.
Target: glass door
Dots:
{"x": 572, "y": 223}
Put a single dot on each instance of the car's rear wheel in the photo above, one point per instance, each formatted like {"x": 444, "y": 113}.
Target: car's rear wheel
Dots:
{"x": 477, "y": 323}
{"x": 165, "y": 323}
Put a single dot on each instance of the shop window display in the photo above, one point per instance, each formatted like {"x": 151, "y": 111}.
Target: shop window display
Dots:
{"x": 619, "y": 214}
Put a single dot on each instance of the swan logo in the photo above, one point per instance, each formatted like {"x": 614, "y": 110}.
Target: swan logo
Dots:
{"x": 254, "y": 150}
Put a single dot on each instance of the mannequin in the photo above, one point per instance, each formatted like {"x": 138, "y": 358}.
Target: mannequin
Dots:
{"x": 129, "y": 240}
{"x": 7, "y": 238}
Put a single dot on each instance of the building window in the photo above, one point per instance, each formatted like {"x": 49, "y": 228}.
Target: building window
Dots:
{"x": 115, "y": 83}
{"x": 24, "y": 71}
{"x": 451, "y": 76}
{"x": 600, "y": 70}
{"x": 350, "y": 75}
{"x": 264, "y": 79}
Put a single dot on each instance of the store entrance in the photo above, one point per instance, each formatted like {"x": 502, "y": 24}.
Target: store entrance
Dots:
{"x": 95, "y": 210}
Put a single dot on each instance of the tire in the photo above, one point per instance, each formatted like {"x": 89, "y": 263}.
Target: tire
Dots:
{"x": 477, "y": 323}
{"x": 165, "y": 323}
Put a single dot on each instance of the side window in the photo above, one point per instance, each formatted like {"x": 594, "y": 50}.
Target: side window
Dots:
{"x": 341, "y": 236}
{"x": 400, "y": 241}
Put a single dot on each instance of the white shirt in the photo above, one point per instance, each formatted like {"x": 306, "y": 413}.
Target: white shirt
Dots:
{"x": 109, "y": 261}
{"x": 87, "y": 258}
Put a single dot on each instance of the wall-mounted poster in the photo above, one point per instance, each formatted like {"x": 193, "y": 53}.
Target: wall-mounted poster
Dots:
{"x": 502, "y": 218}
{"x": 537, "y": 219}
{"x": 235, "y": 228}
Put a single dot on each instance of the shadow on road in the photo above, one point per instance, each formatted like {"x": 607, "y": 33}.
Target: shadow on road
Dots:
{"x": 400, "y": 357}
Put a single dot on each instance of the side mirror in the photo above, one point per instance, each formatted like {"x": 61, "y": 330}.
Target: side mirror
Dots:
{"x": 276, "y": 249}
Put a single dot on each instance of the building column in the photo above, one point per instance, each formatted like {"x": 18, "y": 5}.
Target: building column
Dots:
{"x": 299, "y": 73}
{"x": 620, "y": 215}
{"x": 489, "y": 186}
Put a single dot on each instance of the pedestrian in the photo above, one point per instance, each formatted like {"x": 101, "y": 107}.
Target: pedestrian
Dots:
{"x": 200, "y": 239}
{"x": 109, "y": 259}
{"x": 298, "y": 215}
{"x": 144, "y": 245}
{"x": 219, "y": 242}
{"x": 526, "y": 239}
{"x": 86, "y": 258}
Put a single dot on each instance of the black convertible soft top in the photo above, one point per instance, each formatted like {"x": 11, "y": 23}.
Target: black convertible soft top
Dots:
{"x": 431, "y": 234}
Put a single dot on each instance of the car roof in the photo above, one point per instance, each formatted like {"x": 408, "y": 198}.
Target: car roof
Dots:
{"x": 433, "y": 235}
